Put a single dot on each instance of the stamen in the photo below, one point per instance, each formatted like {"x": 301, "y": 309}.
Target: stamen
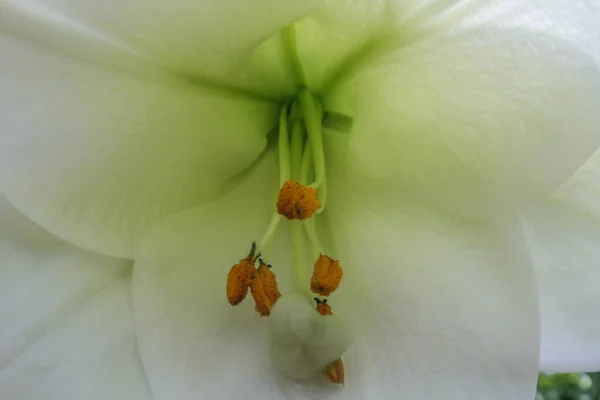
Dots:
{"x": 326, "y": 277}
{"x": 322, "y": 197}
{"x": 306, "y": 169}
{"x": 313, "y": 240}
{"x": 264, "y": 289}
{"x": 297, "y": 201}
{"x": 323, "y": 307}
{"x": 240, "y": 278}
{"x": 264, "y": 244}
{"x": 284, "y": 176}
{"x": 302, "y": 341}
{"x": 335, "y": 372}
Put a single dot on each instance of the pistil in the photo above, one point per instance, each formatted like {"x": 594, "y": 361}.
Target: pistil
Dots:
{"x": 300, "y": 272}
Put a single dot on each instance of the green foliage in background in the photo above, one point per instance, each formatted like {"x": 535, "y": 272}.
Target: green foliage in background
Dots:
{"x": 569, "y": 387}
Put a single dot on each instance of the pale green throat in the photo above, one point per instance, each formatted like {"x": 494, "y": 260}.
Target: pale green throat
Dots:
{"x": 301, "y": 158}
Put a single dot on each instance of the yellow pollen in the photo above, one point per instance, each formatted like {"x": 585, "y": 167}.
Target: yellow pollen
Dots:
{"x": 264, "y": 289}
{"x": 326, "y": 277}
{"x": 335, "y": 372}
{"x": 297, "y": 201}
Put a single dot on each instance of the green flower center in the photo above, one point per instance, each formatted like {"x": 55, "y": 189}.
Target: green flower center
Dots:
{"x": 301, "y": 159}
{"x": 302, "y": 198}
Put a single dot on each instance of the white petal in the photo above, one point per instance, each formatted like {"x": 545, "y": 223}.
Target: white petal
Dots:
{"x": 443, "y": 307}
{"x": 564, "y": 233}
{"x": 456, "y": 318}
{"x": 302, "y": 341}
{"x": 572, "y": 20}
{"x": 210, "y": 39}
{"x": 472, "y": 122}
{"x": 66, "y": 329}
{"x": 332, "y": 38}
{"x": 97, "y": 157}
{"x": 52, "y": 31}
{"x": 192, "y": 342}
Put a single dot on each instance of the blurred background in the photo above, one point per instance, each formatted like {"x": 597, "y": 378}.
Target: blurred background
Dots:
{"x": 569, "y": 386}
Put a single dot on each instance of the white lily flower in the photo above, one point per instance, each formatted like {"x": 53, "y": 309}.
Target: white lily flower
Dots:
{"x": 139, "y": 130}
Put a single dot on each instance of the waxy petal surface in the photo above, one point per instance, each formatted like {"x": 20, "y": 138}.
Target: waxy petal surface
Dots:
{"x": 473, "y": 120}
{"x": 564, "y": 235}
{"x": 66, "y": 327}
{"x": 97, "y": 157}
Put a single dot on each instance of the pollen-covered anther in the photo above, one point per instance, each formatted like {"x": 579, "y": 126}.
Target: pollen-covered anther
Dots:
{"x": 335, "y": 372}
{"x": 240, "y": 278}
{"x": 297, "y": 201}
{"x": 327, "y": 275}
{"x": 264, "y": 289}
{"x": 323, "y": 307}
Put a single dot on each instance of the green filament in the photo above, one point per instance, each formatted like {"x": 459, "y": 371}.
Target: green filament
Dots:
{"x": 300, "y": 272}
{"x": 312, "y": 113}
{"x": 284, "y": 146}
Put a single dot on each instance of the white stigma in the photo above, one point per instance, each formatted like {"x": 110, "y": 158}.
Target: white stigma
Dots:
{"x": 303, "y": 342}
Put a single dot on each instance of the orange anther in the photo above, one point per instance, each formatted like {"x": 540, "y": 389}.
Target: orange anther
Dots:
{"x": 264, "y": 289}
{"x": 327, "y": 275}
{"x": 240, "y": 277}
{"x": 322, "y": 307}
{"x": 297, "y": 201}
{"x": 335, "y": 372}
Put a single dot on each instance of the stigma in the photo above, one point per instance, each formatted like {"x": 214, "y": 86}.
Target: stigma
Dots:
{"x": 305, "y": 344}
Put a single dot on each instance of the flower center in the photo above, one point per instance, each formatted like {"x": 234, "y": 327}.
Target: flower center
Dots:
{"x": 300, "y": 329}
